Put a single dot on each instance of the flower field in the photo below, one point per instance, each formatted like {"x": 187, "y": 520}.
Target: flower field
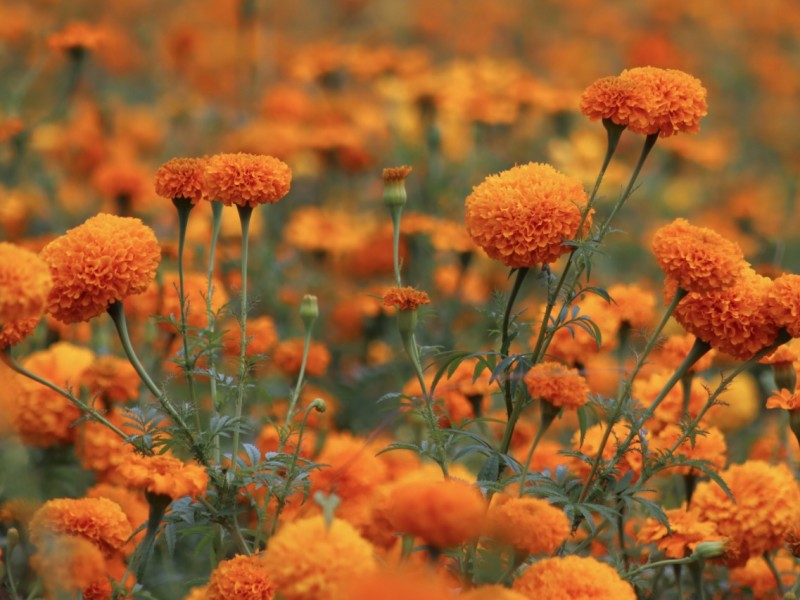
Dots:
{"x": 434, "y": 300}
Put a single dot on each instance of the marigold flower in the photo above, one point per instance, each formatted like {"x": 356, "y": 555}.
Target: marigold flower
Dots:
{"x": 530, "y": 525}
{"x": 122, "y": 183}
{"x": 288, "y": 356}
{"x": 164, "y": 475}
{"x": 395, "y": 174}
{"x": 697, "y": 258}
{"x": 573, "y": 577}
{"x": 308, "y": 560}
{"x": 783, "y": 303}
{"x": 686, "y": 530}
{"x": 710, "y": 447}
{"x": 353, "y": 472}
{"x": 400, "y": 583}
{"x": 784, "y": 399}
{"x": 247, "y": 179}
{"x": 182, "y": 178}
{"x": 443, "y": 513}
{"x": 18, "y": 512}
{"x": 616, "y": 99}
{"x": 630, "y": 461}
{"x": 98, "y": 520}
{"x": 523, "y": 216}
{"x": 756, "y": 580}
{"x": 25, "y": 282}
{"x": 101, "y": 450}
{"x": 68, "y": 563}
{"x": 13, "y": 332}
{"x": 244, "y": 577}
{"x": 764, "y": 511}
{"x": 674, "y": 351}
{"x": 77, "y": 36}
{"x": 132, "y": 503}
{"x": 405, "y": 298}
{"x": 112, "y": 379}
{"x": 671, "y": 409}
{"x": 492, "y": 592}
{"x": 103, "y": 261}
{"x": 557, "y": 385}
{"x": 635, "y": 305}
{"x": 262, "y": 335}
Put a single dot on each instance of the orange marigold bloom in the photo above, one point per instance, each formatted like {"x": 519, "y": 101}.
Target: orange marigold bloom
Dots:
{"x": 77, "y": 36}
{"x": 25, "y": 282}
{"x": 636, "y": 305}
{"x": 531, "y": 525}
{"x": 784, "y": 399}
{"x": 558, "y": 385}
{"x": 68, "y": 563}
{"x": 164, "y": 475}
{"x": 98, "y": 520}
{"x": 686, "y": 530}
{"x": 523, "y": 216}
{"x": 670, "y": 410}
{"x": 262, "y": 335}
{"x": 783, "y": 303}
{"x": 631, "y": 461}
{"x": 710, "y": 447}
{"x": 614, "y": 98}
{"x": 43, "y": 417}
{"x": 112, "y": 379}
{"x": 756, "y": 580}
{"x": 765, "y": 508}
{"x": 491, "y": 592}
{"x": 132, "y": 503}
{"x": 13, "y": 332}
{"x": 353, "y": 472}
{"x": 247, "y": 179}
{"x": 308, "y": 560}
{"x": 103, "y": 261}
{"x": 674, "y": 351}
{"x": 244, "y": 577}
{"x": 121, "y": 182}
{"x": 288, "y": 356}
{"x": 405, "y": 298}
{"x": 697, "y": 258}
{"x": 734, "y": 320}
{"x": 395, "y": 174}
{"x": 443, "y": 513}
{"x": 182, "y": 178}
{"x": 573, "y": 577}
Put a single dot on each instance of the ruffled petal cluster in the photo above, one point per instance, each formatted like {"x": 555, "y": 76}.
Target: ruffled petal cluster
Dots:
{"x": 557, "y": 385}
{"x": 530, "y": 525}
{"x": 247, "y": 179}
{"x": 243, "y": 577}
{"x": 25, "y": 282}
{"x": 573, "y": 577}
{"x": 182, "y": 178}
{"x": 686, "y": 530}
{"x": 164, "y": 475}
{"x": 405, "y": 298}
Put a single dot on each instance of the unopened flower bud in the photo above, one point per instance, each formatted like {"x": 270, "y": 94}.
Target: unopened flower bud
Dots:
{"x": 309, "y": 309}
{"x": 710, "y": 549}
{"x": 394, "y": 185}
{"x": 319, "y": 405}
{"x": 12, "y": 540}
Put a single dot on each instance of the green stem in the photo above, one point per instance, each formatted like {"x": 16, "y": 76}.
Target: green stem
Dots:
{"x": 296, "y": 392}
{"x": 775, "y": 573}
{"x": 216, "y": 211}
{"x": 396, "y": 212}
{"x": 548, "y": 414}
{"x": 184, "y": 207}
{"x": 158, "y": 504}
{"x": 505, "y": 343}
{"x": 696, "y": 569}
{"x": 552, "y": 297}
{"x": 661, "y": 563}
{"x": 245, "y": 212}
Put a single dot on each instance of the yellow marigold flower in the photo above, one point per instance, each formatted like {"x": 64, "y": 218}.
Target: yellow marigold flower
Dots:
{"x": 112, "y": 379}
{"x": 635, "y": 305}
{"x": 103, "y": 261}
{"x": 68, "y": 563}
{"x": 309, "y": 561}
{"x": 443, "y": 513}
{"x": 735, "y": 320}
{"x": 783, "y": 303}
{"x": 530, "y": 525}
{"x": 25, "y": 282}
{"x": 288, "y": 356}
{"x": 557, "y": 385}
{"x": 164, "y": 475}
{"x": 241, "y": 577}
{"x": 765, "y": 508}
{"x": 686, "y": 530}
{"x": 405, "y": 298}
{"x": 98, "y": 520}
{"x": 13, "y": 332}
{"x": 247, "y": 179}
{"x": 523, "y": 216}
{"x": 697, "y": 258}
{"x": 573, "y": 577}
{"x": 77, "y": 36}
{"x": 182, "y": 178}
{"x": 43, "y": 417}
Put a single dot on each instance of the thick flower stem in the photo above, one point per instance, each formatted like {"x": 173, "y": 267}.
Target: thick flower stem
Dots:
{"x": 775, "y": 573}
{"x": 216, "y": 211}
{"x": 614, "y": 133}
{"x": 505, "y": 342}
{"x": 396, "y": 212}
{"x": 245, "y": 212}
{"x": 549, "y": 413}
{"x": 662, "y": 563}
{"x": 296, "y": 392}
{"x": 158, "y": 506}
{"x": 184, "y": 207}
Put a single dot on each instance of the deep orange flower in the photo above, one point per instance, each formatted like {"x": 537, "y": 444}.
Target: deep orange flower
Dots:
{"x": 396, "y": 174}
{"x": 25, "y": 282}
{"x": 122, "y": 183}
{"x": 783, "y": 303}
{"x": 182, "y": 178}
{"x": 557, "y": 385}
{"x": 524, "y": 215}
{"x": 262, "y": 335}
{"x": 631, "y": 461}
{"x": 686, "y": 530}
{"x": 784, "y": 399}
{"x": 308, "y": 560}
{"x": 247, "y": 179}
{"x": 614, "y": 98}
{"x": 573, "y": 577}
{"x": 756, "y": 580}
{"x": 68, "y": 563}
{"x": 530, "y": 525}
{"x": 164, "y": 475}
{"x": 103, "y": 261}
{"x": 635, "y": 304}
{"x": 13, "y": 332}
{"x": 244, "y": 577}
{"x": 765, "y": 508}
{"x": 98, "y": 520}
{"x": 288, "y": 356}
{"x": 697, "y": 258}
{"x": 132, "y": 503}
{"x": 112, "y": 379}
{"x": 101, "y": 450}
{"x": 351, "y": 471}
{"x": 401, "y": 583}
{"x": 77, "y": 36}
{"x": 710, "y": 447}
{"x": 443, "y": 513}
{"x": 674, "y": 351}
{"x": 405, "y": 298}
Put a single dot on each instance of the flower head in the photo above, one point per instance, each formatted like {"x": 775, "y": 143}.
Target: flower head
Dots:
{"x": 13, "y": 332}
{"x": 244, "y": 577}
{"x": 783, "y": 303}
{"x": 443, "y": 513}
{"x": 523, "y": 216}
{"x": 635, "y": 305}
{"x": 686, "y": 530}
{"x": 112, "y": 379}
{"x": 573, "y": 577}
{"x": 396, "y": 174}
{"x": 784, "y": 399}
{"x": 165, "y": 475}
{"x": 697, "y": 258}
{"x": 558, "y": 385}
{"x": 25, "y": 282}
{"x": 309, "y": 561}
{"x": 76, "y": 37}
{"x": 103, "y": 261}
{"x": 405, "y": 298}
{"x": 530, "y": 525}
{"x": 288, "y": 356}
{"x": 68, "y": 563}
{"x": 182, "y": 178}
{"x": 247, "y": 179}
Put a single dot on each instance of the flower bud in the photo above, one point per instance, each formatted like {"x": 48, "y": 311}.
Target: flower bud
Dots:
{"x": 319, "y": 405}
{"x": 709, "y": 549}
{"x": 394, "y": 186}
{"x": 309, "y": 309}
